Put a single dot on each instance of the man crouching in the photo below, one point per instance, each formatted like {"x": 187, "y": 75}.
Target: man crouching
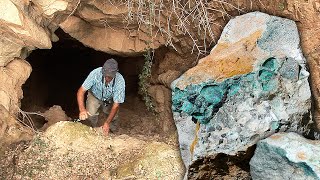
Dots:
{"x": 106, "y": 88}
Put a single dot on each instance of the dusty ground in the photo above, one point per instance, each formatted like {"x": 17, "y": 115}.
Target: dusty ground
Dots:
{"x": 134, "y": 118}
{"x": 68, "y": 150}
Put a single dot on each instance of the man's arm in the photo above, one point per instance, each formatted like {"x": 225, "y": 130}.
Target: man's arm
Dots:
{"x": 82, "y": 109}
{"x": 112, "y": 114}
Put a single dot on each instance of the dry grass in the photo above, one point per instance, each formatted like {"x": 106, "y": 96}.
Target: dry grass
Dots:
{"x": 191, "y": 18}
{"x": 25, "y": 119}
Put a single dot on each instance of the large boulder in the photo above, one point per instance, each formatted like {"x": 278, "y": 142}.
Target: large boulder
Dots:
{"x": 254, "y": 83}
{"x": 286, "y": 156}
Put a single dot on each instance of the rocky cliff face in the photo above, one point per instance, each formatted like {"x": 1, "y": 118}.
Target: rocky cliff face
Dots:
{"x": 24, "y": 26}
{"x": 125, "y": 28}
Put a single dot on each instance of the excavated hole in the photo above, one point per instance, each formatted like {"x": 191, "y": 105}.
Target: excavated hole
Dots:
{"x": 222, "y": 166}
{"x": 59, "y": 72}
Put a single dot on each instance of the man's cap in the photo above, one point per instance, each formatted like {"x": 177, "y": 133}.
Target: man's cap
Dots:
{"x": 110, "y": 68}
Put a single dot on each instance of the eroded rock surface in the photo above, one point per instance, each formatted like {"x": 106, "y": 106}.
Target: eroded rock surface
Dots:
{"x": 254, "y": 83}
{"x": 18, "y": 30}
{"x": 11, "y": 131}
{"x": 13, "y": 76}
{"x": 286, "y": 156}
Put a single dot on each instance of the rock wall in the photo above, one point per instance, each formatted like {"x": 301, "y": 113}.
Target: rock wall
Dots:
{"x": 254, "y": 83}
{"x": 22, "y": 29}
{"x": 13, "y": 75}
{"x": 116, "y": 29}
{"x": 18, "y": 30}
{"x": 10, "y": 130}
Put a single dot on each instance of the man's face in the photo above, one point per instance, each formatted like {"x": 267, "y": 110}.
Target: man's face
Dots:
{"x": 108, "y": 79}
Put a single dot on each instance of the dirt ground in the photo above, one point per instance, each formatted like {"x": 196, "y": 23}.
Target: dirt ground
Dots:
{"x": 126, "y": 150}
{"x": 71, "y": 150}
{"x": 133, "y": 118}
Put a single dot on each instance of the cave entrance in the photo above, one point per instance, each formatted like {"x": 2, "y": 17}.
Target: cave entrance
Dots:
{"x": 57, "y": 74}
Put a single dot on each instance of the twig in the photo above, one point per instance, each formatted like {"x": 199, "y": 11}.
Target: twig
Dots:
{"x": 26, "y": 116}
{"x": 181, "y": 16}
{"x": 74, "y": 9}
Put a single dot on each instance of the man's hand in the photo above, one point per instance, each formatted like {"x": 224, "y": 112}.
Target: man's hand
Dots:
{"x": 105, "y": 128}
{"x": 83, "y": 115}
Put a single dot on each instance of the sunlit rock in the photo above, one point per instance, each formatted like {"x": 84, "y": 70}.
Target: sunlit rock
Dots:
{"x": 103, "y": 26}
{"x": 110, "y": 40}
{"x": 286, "y": 156}
{"x": 254, "y": 83}
{"x": 18, "y": 30}
{"x": 49, "y": 7}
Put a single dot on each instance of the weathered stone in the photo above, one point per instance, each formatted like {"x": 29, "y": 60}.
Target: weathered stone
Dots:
{"x": 18, "y": 30}
{"x": 105, "y": 26}
{"x": 9, "y": 12}
{"x": 168, "y": 77}
{"x": 187, "y": 131}
{"x": 286, "y": 156}
{"x": 9, "y": 50}
{"x": 53, "y": 115}
{"x": 10, "y": 130}
{"x": 253, "y": 83}
{"x": 161, "y": 96}
{"x": 110, "y": 40}
{"x": 12, "y": 78}
{"x": 102, "y": 13}
{"x": 49, "y": 7}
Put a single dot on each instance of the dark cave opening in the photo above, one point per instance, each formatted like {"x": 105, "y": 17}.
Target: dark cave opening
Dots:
{"x": 57, "y": 73}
